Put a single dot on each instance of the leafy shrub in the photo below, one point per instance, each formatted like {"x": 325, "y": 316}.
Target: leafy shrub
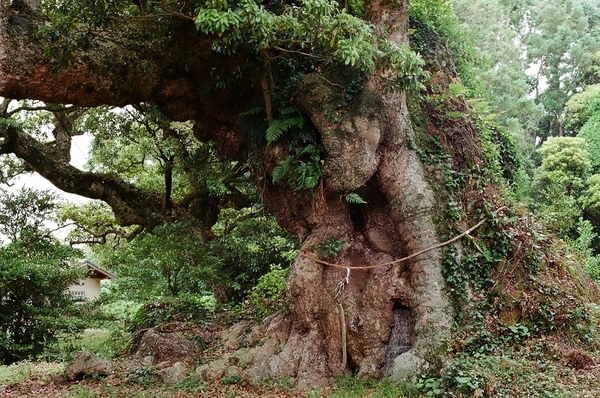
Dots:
{"x": 268, "y": 296}
{"x": 169, "y": 261}
{"x": 248, "y": 252}
{"x": 102, "y": 342}
{"x": 566, "y": 163}
{"x": 329, "y": 248}
{"x": 34, "y": 277}
{"x": 590, "y": 199}
{"x": 583, "y": 247}
{"x": 590, "y": 132}
{"x": 580, "y": 108}
{"x": 185, "y": 308}
{"x": 108, "y": 311}
{"x": 209, "y": 302}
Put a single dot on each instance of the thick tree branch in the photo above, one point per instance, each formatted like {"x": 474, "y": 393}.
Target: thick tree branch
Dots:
{"x": 20, "y": 50}
{"x": 101, "y": 238}
{"x": 231, "y": 226}
{"x": 130, "y": 205}
{"x": 48, "y": 107}
{"x": 187, "y": 199}
{"x": 129, "y": 64}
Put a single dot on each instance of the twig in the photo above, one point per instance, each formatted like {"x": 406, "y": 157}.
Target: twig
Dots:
{"x": 296, "y": 52}
{"x": 331, "y": 83}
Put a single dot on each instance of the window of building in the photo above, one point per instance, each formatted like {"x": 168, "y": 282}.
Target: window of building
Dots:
{"x": 78, "y": 295}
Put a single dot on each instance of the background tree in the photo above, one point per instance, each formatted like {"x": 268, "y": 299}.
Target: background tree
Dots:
{"x": 560, "y": 182}
{"x": 557, "y": 30}
{"x": 582, "y": 117}
{"x": 169, "y": 262}
{"x": 271, "y": 60}
{"x": 499, "y": 73}
{"x": 172, "y": 260}
{"x": 565, "y": 196}
{"x": 210, "y": 198}
{"x": 532, "y": 56}
{"x": 35, "y": 274}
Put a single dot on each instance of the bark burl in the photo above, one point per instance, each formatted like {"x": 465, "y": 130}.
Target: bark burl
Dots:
{"x": 367, "y": 152}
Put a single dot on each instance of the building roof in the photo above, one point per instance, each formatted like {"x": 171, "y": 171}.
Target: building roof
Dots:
{"x": 97, "y": 272}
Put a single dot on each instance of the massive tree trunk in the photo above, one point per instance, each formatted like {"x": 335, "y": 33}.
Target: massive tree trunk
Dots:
{"x": 374, "y": 319}
{"x": 367, "y": 153}
{"x": 392, "y": 318}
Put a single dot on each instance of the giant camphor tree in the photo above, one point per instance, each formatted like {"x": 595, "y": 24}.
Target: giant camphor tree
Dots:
{"x": 311, "y": 97}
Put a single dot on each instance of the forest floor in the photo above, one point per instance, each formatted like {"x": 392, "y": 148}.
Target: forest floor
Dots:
{"x": 542, "y": 367}
{"x": 42, "y": 379}
{"x": 46, "y": 380}
{"x": 131, "y": 380}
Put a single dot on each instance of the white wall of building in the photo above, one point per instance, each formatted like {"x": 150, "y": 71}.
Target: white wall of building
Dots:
{"x": 90, "y": 288}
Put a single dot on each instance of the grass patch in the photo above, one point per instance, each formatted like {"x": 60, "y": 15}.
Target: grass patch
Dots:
{"x": 77, "y": 391}
{"x": 26, "y": 370}
{"x": 104, "y": 343}
{"x": 350, "y": 387}
{"x": 110, "y": 391}
{"x": 95, "y": 340}
{"x": 192, "y": 383}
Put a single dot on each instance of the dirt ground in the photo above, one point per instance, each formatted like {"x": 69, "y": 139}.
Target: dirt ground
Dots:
{"x": 46, "y": 381}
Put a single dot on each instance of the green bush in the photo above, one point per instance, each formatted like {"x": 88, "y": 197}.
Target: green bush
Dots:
{"x": 248, "y": 252}
{"x": 35, "y": 276}
{"x": 102, "y": 342}
{"x": 35, "y": 305}
{"x": 268, "y": 296}
{"x": 184, "y": 308}
{"x": 583, "y": 248}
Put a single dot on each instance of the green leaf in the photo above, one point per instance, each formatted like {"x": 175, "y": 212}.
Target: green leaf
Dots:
{"x": 454, "y": 115}
{"x": 252, "y": 111}
{"x": 462, "y": 380}
{"x": 354, "y": 198}
{"x": 457, "y": 89}
{"x": 281, "y": 170}
{"x": 279, "y": 126}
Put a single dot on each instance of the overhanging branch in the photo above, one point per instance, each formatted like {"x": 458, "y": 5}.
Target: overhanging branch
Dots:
{"x": 130, "y": 204}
